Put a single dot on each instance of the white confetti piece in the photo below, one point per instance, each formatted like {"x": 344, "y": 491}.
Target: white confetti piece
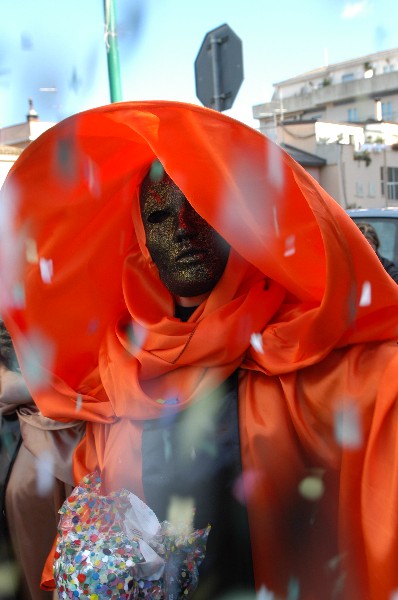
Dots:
{"x": 275, "y": 168}
{"x": 91, "y": 173}
{"x": 290, "y": 245}
{"x": 265, "y": 594}
{"x": 137, "y": 335}
{"x": 347, "y": 426}
{"x": 366, "y": 294}
{"x": 79, "y": 402}
{"x": 45, "y": 473}
{"x": 18, "y": 296}
{"x": 276, "y": 224}
{"x": 37, "y": 355}
{"x": 46, "y": 270}
{"x": 256, "y": 341}
{"x": 181, "y": 512}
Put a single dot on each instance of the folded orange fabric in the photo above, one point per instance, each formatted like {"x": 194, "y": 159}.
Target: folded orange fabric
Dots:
{"x": 96, "y": 337}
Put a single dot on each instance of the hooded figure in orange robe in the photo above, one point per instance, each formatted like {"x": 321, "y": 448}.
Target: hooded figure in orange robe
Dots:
{"x": 304, "y": 313}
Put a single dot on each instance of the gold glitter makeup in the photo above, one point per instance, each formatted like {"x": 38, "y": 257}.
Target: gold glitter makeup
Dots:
{"x": 189, "y": 254}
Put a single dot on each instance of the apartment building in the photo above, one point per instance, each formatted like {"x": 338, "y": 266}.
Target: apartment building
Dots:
{"x": 341, "y": 123}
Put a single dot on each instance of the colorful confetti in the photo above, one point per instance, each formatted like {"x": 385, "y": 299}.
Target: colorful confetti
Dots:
{"x": 113, "y": 547}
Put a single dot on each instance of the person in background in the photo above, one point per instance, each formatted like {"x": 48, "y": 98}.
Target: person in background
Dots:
{"x": 34, "y": 476}
{"x": 13, "y": 393}
{"x": 194, "y": 296}
{"x": 371, "y": 235}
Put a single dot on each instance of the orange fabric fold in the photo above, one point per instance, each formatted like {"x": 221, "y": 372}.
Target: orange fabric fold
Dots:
{"x": 81, "y": 296}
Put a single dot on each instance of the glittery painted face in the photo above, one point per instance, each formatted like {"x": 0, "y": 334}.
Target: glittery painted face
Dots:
{"x": 189, "y": 254}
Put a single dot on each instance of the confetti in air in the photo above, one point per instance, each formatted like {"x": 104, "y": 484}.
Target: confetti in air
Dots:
{"x": 66, "y": 159}
{"x": 137, "y": 335}
{"x": 92, "y": 326}
{"x": 264, "y": 594}
{"x": 311, "y": 488}
{"x": 91, "y": 173}
{"x": 45, "y": 473}
{"x": 275, "y": 168}
{"x": 347, "y": 426}
{"x": 256, "y": 341}
{"x": 31, "y": 251}
{"x": 181, "y": 513}
{"x": 157, "y": 171}
{"x": 46, "y": 270}
{"x": 293, "y": 589}
{"x": 276, "y": 224}
{"x": 366, "y": 294}
{"x": 9, "y": 579}
{"x": 79, "y": 402}
{"x": 244, "y": 485}
{"x": 37, "y": 355}
{"x": 290, "y": 245}
{"x": 18, "y": 296}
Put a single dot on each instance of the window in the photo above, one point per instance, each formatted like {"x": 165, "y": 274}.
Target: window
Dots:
{"x": 352, "y": 115}
{"x": 386, "y": 111}
{"x": 359, "y": 189}
{"x": 371, "y": 189}
{"x": 347, "y": 77}
{"x": 389, "y": 188}
{"x": 387, "y": 231}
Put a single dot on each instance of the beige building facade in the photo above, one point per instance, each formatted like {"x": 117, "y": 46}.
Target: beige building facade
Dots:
{"x": 15, "y": 138}
{"x": 8, "y": 155}
{"x": 346, "y": 117}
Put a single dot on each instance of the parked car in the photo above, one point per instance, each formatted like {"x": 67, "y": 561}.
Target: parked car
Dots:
{"x": 385, "y": 221}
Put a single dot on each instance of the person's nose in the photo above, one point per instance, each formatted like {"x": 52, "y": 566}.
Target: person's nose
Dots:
{"x": 185, "y": 220}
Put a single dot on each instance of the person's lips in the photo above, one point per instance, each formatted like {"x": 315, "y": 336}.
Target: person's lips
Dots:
{"x": 190, "y": 255}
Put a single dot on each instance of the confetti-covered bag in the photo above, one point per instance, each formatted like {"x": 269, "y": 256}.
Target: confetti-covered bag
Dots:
{"x": 113, "y": 547}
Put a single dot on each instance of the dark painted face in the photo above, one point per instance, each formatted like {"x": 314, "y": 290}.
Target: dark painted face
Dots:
{"x": 189, "y": 254}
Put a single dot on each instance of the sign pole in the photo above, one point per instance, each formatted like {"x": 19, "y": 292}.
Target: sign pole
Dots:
{"x": 115, "y": 87}
{"x": 219, "y": 68}
{"x": 215, "y": 63}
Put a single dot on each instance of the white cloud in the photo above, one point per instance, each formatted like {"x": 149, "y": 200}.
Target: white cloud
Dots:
{"x": 354, "y": 9}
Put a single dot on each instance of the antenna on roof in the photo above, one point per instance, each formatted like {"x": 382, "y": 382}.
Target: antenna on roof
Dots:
{"x": 32, "y": 113}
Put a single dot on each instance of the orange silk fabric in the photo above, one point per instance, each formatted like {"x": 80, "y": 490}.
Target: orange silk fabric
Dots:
{"x": 96, "y": 337}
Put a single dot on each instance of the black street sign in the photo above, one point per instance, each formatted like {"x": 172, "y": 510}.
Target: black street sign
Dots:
{"x": 219, "y": 68}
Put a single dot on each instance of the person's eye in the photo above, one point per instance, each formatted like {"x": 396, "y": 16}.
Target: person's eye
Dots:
{"x": 158, "y": 216}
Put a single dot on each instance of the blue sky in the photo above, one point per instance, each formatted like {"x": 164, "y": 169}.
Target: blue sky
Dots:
{"x": 58, "y": 45}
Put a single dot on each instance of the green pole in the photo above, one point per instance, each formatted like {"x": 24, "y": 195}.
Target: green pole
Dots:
{"x": 115, "y": 86}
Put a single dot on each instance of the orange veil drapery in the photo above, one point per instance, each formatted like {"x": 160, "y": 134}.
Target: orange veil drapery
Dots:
{"x": 95, "y": 334}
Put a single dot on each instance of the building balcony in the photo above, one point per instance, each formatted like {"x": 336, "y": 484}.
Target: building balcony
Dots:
{"x": 377, "y": 86}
